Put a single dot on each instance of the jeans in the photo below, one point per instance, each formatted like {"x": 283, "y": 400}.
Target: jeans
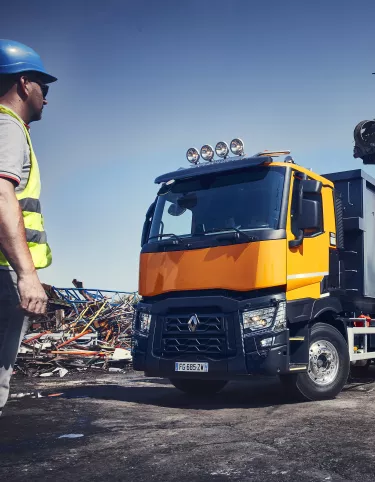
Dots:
{"x": 13, "y": 326}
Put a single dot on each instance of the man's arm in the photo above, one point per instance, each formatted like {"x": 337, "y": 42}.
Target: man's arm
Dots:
{"x": 14, "y": 246}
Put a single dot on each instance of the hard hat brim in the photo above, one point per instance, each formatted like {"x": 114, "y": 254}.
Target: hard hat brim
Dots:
{"x": 47, "y": 78}
{"x": 44, "y": 77}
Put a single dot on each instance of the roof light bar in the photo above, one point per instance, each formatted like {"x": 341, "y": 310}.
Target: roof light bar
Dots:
{"x": 222, "y": 149}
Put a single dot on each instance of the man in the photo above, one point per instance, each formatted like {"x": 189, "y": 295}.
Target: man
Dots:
{"x": 23, "y": 242}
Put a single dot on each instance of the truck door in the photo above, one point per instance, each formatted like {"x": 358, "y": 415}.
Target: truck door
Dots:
{"x": 308, "y": 263}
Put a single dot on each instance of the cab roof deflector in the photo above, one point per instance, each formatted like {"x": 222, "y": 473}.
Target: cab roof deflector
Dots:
{"x": 232, "y": 164}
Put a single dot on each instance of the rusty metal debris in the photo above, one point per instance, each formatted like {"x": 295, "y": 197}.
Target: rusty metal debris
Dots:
{"x": 83, "y": 328}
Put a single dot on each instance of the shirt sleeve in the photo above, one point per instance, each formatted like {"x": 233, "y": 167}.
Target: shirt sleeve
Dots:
{"x": 12, "y": 147}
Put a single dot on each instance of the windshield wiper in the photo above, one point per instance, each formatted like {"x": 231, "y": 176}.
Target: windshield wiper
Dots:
{"x": 237, "y": 230}
{"x": 171, "y": 235}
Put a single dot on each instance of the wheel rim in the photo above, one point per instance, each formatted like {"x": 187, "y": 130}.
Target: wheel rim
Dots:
{"x": 323, "y": 362}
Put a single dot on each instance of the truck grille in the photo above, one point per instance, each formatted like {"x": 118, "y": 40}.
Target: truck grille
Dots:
{"x": 203, "y": 346}
{"x": 209, "y": 336}
{"x": 207, "y": 324}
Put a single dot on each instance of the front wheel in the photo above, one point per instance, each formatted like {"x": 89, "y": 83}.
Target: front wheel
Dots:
{"x": 328, "y": 368}
{"x": 198, "y": 387}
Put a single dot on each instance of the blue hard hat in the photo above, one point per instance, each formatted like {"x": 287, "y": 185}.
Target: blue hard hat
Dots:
{"x": 16, "y": 58}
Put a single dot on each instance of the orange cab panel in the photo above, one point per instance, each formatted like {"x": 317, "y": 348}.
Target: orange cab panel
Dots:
{"x": 241, "y": 267}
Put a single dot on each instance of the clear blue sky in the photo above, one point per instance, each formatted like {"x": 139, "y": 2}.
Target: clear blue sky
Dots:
{"x": 141, "y": 81}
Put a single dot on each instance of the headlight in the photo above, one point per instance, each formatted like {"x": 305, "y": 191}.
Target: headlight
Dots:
{"x": 265, "y": 318}
{"x": 144, "y": 321}
{"x": 258, "y": 319}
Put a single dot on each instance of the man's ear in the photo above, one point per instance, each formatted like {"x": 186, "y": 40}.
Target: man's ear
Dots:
{"x": 24, "y": 86}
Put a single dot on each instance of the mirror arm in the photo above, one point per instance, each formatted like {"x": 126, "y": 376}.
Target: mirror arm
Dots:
{"x": 294, "y": 243}
{"x": 147, "y": 223}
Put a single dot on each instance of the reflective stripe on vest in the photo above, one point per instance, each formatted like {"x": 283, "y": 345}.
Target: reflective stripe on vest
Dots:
{"x": 30, "y": 205}
{"x": 34, "y": 236}
{"x": 31, "y": 209}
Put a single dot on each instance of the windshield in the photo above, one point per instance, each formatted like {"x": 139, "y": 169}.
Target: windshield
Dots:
{"x": 248, "y": 200}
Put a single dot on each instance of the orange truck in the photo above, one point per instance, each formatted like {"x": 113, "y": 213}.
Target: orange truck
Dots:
{"x": 255, "y": 265}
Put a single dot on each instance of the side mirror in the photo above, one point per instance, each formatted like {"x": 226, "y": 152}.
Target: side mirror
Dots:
{"x": 310, "y": 186}
{"x": 189, "y": 201}
{"x": 311, "y": 216}
{"x": 176, "y": 210}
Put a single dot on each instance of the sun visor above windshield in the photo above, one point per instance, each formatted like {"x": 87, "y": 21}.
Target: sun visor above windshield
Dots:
{"x": 214, "y": 167}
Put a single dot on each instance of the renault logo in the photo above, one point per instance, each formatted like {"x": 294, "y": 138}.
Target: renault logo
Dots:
{"x": 193, "y": 323}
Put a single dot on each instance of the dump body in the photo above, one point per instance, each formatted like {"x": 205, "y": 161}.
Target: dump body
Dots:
{"x": 357, "y": 258}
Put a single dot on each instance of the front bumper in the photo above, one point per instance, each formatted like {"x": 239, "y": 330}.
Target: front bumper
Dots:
{"x": 230, "y": 353}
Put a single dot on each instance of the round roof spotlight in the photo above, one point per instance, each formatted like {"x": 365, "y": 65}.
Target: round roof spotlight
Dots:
{"x": 222, "y": 149}
{"x": 207, "y": 153}
{"x": 237, "y": 147}
{"x": 192, "y": 155}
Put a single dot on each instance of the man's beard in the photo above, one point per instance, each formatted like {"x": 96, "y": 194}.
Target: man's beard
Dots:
{"x": 36, "y": 116}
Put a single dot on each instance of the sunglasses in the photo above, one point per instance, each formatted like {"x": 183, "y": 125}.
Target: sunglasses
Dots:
{"x": 44, "y": 88}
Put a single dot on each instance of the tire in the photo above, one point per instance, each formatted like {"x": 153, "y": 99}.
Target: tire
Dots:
{"x": 198, "y": 387}
{"x": 328, "y": 370}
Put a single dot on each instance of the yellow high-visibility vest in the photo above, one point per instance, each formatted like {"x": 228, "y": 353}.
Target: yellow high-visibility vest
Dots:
{"x": 30, "y": 204}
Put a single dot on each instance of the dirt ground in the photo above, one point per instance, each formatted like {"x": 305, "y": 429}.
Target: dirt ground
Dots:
{"x": 129, "y": 428}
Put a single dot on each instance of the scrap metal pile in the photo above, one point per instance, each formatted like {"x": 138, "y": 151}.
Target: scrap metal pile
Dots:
{"x": 82, "y": 329}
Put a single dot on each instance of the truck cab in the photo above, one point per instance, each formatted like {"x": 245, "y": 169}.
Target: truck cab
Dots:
{"x": 242, "y": 274}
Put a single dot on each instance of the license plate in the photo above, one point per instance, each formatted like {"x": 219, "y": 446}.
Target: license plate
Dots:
{"x": 191, "y": 367}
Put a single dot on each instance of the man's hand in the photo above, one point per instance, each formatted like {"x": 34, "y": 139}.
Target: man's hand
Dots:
{"x": 32, "y": 294}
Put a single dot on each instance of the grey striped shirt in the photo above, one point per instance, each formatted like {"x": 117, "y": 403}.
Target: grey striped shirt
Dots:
{"x": 14, "y": 152}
